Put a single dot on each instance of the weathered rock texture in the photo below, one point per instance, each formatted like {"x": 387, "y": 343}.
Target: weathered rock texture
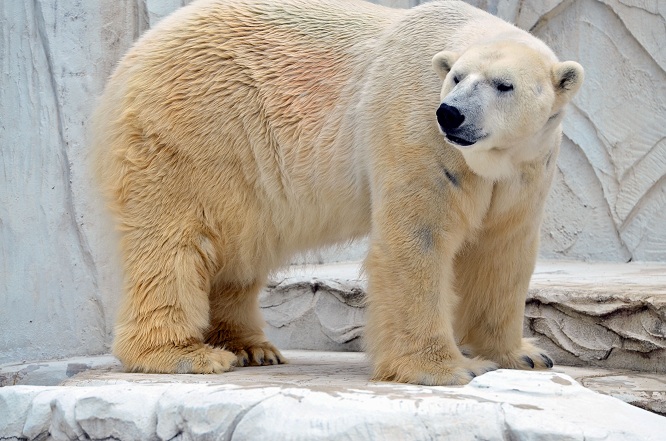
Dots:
{"x": 56, "y": 288}
{"x": 609, "y": 201}
{"x": 321, "y": 314}
{"x": 59, "y": 282}
{"x": 641, "y": 389}
{"x": 53, "y": 372}
{"x": 318, "y": 396}
{"x": 593, "y": 315}
{"x": 644, "y": 390}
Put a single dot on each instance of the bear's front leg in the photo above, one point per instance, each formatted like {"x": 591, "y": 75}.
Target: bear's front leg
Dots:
{"x": 409, "y": 334}
{"x": 493, "y": 275}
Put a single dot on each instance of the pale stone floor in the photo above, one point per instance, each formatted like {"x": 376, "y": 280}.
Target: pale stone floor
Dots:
{"x": 322, "y": 395}
{"x": 312, "y": 368}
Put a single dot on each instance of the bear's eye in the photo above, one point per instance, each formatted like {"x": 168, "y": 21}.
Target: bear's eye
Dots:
{"x": 456, "y": 79}
{"x": 504, "y": 87}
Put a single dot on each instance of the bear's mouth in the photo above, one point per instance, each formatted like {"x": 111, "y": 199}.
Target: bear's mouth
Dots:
{"x": 459, "y": 141}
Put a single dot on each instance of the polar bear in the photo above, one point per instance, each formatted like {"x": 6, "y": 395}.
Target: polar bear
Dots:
{"x": 239, "y": 132}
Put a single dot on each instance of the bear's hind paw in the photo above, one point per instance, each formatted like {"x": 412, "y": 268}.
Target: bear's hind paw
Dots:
{"x": 207, "y": 360}
{"x": 196, "y": 358}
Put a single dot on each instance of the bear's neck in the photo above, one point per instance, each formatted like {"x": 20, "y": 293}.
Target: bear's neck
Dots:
{"x": 497, "y": 164}
{"x": 493, "y": 164}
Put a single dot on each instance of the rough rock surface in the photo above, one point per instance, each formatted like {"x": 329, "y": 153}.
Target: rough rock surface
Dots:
{"x": 644, "y": 390}
{"x": 641, "y": 389}
{"x": 318, "y": 396}
{"x": 322, "y": 313}
{"x": 607, "y": 315}
{"x": 53, "y": 372}
{"x": 59, "y": 282}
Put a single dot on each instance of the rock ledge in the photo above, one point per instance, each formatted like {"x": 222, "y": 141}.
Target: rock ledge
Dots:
{"x": 318, "y": 396}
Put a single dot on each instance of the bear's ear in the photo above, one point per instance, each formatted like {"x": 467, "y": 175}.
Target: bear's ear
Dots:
{"x": 443, "y": 62}
{"x": 567, "y": 78}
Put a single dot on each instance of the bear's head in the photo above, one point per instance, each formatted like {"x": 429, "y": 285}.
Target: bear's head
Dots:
{"x": 502, "y": 102}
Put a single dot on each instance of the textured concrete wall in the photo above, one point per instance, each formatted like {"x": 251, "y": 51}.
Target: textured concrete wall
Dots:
{"x": 609, "y": 201}
{"x": 55, "y": 289}
{"x": 59, "y": 284}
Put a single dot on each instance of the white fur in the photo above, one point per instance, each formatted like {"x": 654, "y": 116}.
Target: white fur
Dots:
{"x": 239, "y": 132}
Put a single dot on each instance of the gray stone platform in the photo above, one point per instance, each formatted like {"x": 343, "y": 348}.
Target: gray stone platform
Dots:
{"x": 644, "y": 390}
{"x": 318, "y": 396}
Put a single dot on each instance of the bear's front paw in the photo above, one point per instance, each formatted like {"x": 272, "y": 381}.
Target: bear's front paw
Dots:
{"x": 526, "y": 357}
{"x": 430, "y": 371}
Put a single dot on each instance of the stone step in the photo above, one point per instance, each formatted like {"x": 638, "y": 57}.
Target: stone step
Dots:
{"x": 317, "y": 396}
{"x": 605, "y": 315}
{"x": 641, "y": 389}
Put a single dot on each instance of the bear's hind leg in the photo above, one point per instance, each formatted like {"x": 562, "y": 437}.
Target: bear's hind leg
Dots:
{"x": 237, "y": 325}
{"x": 165, "y": 309}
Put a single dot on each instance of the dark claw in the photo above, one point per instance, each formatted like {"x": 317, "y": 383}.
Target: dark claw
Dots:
{"x": 547, "y": 360}
{"x": 529, "y": 361}
{"x": 261, "y": 361}
{"x": 472, "y": 374}
{"x": 245, "y": 362}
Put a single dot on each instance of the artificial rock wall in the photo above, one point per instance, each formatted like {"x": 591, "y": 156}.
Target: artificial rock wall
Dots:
{"x": 59, "y": 283}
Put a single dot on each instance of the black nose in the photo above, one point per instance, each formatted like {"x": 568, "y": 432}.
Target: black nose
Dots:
{"x": 448, "y": 117}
